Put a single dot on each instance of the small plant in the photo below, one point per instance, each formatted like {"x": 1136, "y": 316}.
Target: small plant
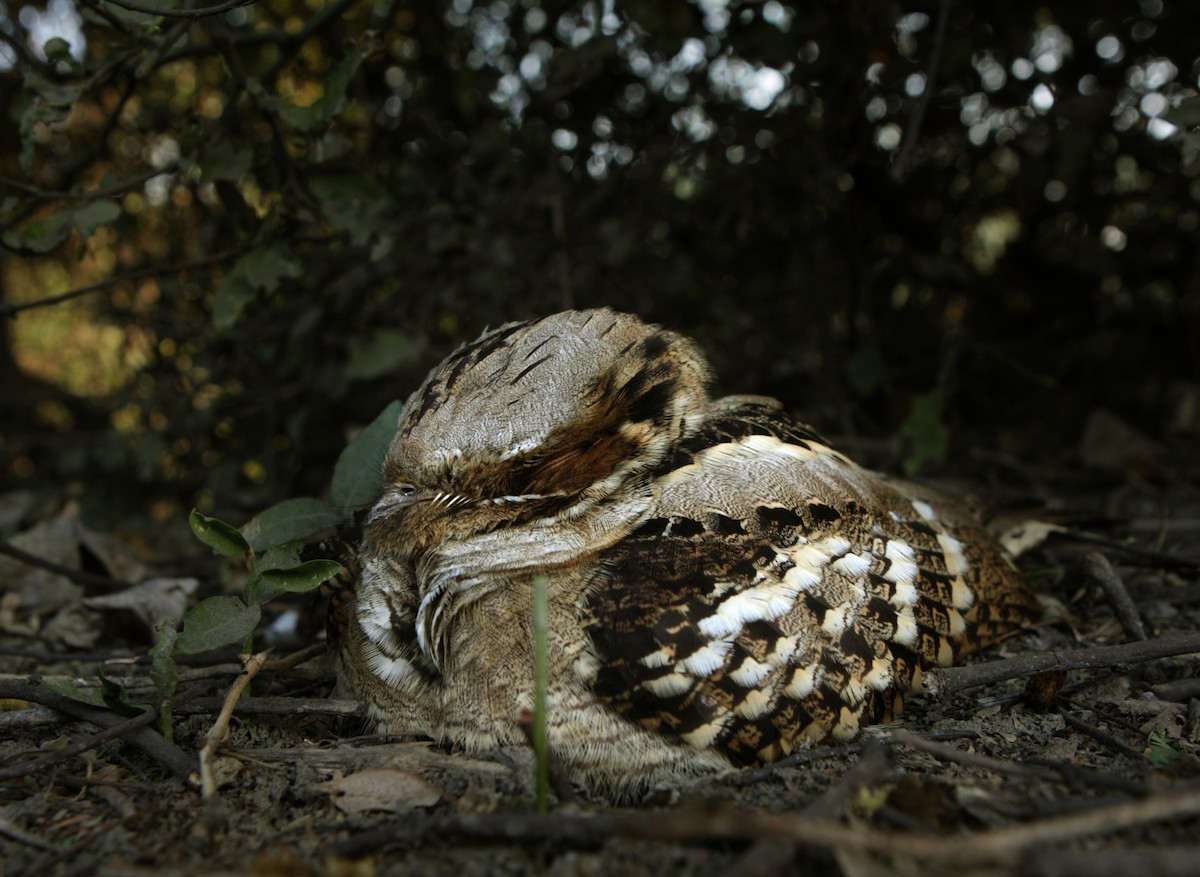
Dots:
{"x": 1159, "y": 750}
{"x": 270, "y": 544}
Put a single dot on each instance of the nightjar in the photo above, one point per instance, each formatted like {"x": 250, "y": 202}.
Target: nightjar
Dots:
{"x": 724, "y": 587}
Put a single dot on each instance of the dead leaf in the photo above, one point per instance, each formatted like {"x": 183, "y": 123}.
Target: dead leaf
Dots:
{"x": 75, "y": 627}
{"x": 1109, "y": 442}
{"x": 382, "y": 788}
{"x": 56, "y": 541}
{"x": 1027, "y": 535}
{"x": 117, "y": 558}
{"x": 13, "y": 507}
{"x": 151, "y": 602}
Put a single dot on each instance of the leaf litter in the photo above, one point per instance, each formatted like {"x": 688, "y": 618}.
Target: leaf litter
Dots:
{"x": 1036, "y": 772}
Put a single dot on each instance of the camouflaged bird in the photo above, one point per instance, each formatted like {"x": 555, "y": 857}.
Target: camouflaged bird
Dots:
{"x": 724, "y": 587}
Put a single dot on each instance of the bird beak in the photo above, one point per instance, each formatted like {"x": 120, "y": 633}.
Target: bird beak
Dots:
{"x": 389, "y": 504}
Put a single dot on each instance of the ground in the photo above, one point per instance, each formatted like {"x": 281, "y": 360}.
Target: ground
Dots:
{"x": 1093, "y": 766}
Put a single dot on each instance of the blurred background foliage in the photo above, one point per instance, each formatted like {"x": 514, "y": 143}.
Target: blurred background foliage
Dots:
{"x": 967, "y": 225}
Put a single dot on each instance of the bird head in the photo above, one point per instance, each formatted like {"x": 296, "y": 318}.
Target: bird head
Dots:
{"x": 535, "y": 420}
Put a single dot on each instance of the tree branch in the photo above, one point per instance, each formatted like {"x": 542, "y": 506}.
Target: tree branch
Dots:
{"x": 117, "y": 189}
{"x": 75, "y": 575}
{"x": 202, "y": 12}
{"x": 949, "y": 680}
{"x": 11, "y": 310}
{"x": 904, "y": 157}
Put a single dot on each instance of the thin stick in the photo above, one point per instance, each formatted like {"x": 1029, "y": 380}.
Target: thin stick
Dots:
{"x": 153, "y": 744}
{"x": 287, "y": 662}
{"x": 278, "y": 706}
{"x": 220, "y": 729}
{"x": 72, "y": 749}
{"x": 949, "y": 680}
{"x": 912, "y": 135}
{"x": 75, "y": 575}
{"x": 202, "y": 12}
{"x": 961, "y": 756}
{"x": 1003, "y": 845}
{"x": 13, "y": 308}
{"x": 1095, "y": 566}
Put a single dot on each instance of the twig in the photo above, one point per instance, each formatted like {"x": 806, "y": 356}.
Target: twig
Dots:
{"x": 78, "y": 576}
{"x": 220, "y": 729}
{"x": 904, "y": 157}
{"x": 1177, "y": 690}
{"x": 147, "y": 65}
{"x": 945, "y": 681}
{"x": 1157, "y": 558}
{"x": 1099, "y": 736}
{"x": 7, "y": 829}
{"x": 1003, "y": 845}
{"x": 294, "y": 40}
{"x": 14, "y": 308}
{"x": 960, "y": 756}
{"x": 295, "y": 659}
{"x": 1076, "y": 776}
{"x": 1156, "y": 860}
{"x": 277, "y": 706}
{"x": 72, "y": 749}
{"x": 107, "y": 192}
{"x": 151, "y": 743}
{"x": 202, "y": 12}
{"x": 1095, "y": 566}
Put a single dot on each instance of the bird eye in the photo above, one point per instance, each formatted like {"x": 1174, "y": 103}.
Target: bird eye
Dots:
{"x": 406, "y": 490}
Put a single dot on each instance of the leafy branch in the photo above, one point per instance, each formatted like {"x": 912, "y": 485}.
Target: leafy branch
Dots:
{"x": 270, "y": 544}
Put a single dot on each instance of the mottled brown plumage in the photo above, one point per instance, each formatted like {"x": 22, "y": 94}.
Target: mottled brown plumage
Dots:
{"x": 724, "y": 586}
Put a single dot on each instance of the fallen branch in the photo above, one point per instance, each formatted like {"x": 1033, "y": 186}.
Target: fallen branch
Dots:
{"x": 77, "y": 576}
{"x": 575, "y": 830}
{"x": 150, "y": 742}
{"x": 950, "y": 680}
{"x": 74, "y": 748}
{"x": 961, "y": 756}
{"x": 277, "y": 706}
{"x": 1096, "y": 567}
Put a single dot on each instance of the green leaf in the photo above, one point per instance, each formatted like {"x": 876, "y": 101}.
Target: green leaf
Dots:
{"x": 51, "y": 93}
{"x": 865, "y": 370}
{"x": 1186, "y": 114}
{"x": 217, "y": 535}
{"x": 1159, "y": 750}
{"x": 264, "y": 267}
{"x": 231, "y": 299}
{"x": 42, "y": 235}
{"x": 225, "y": 161}
{"x": 354, "y": 203}
{"x": 290, "y": 521}
{"x": 261, "y": 269}
{"x": 330, "y": 103}
{"x": 357, "y": 476}
{"x": 56, "y": 49}
{"x": 384, "y": 352}
{"x": 37, "y": 112}
{"x": 215, "y": 622}
{"x": 163, "y": 671}
{"x": 281, "y": 556}
{"x": 95, "y": 214}
{"x": 924, "y": 428}
{"x": 303, "y": 578}
{"x": 67, "y": 688}
{"x": 116, "y": 698}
